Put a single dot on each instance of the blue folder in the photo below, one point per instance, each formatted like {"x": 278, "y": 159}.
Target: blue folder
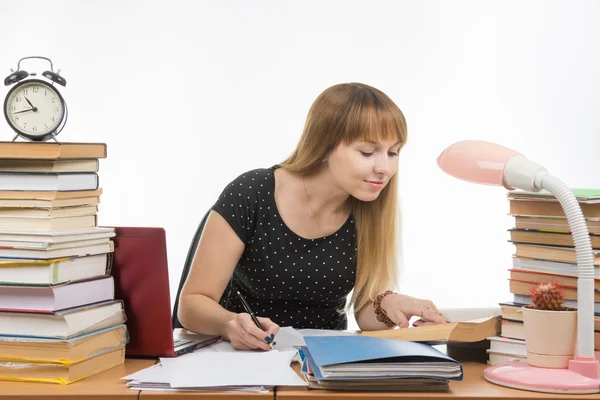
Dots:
{"x": 323, "y": 351}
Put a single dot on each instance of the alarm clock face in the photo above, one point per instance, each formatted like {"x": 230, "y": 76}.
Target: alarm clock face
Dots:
{"x": 34, "y": 109}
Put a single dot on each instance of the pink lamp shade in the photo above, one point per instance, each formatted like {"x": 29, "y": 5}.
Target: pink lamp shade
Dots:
{"x": 476, "y": 161}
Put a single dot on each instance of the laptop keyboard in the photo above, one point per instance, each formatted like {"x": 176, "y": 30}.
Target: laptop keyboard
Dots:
{"x": 180, "y": 342}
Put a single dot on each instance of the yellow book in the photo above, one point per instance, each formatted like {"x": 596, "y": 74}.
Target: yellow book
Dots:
{"x": 11, "y": 165}
{"x": 60, "y": 373}
{"x": 458, "y": 332}
{"x": 551, "y": 253}
{"x": 49, "y": 199}
{"x": 62, "y": 351}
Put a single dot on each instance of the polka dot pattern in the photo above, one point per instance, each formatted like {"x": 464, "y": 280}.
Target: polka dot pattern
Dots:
{"x": 294, "y": 281}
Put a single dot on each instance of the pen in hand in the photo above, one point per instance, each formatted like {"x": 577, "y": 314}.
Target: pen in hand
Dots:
{"x": 249, "y": 311}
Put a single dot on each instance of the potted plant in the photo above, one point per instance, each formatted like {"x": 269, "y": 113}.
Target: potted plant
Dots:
{"x": 550, "y": 327}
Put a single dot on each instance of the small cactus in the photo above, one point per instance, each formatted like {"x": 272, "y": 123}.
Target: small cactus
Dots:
{"x": 548, "y": 296}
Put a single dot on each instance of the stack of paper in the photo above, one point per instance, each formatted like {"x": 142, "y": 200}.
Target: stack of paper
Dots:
{"x": 219, "y": 368}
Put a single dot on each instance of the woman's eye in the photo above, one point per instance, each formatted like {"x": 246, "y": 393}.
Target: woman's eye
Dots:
{"x": 364, "y": 153}
{"x": 392, "y": 154}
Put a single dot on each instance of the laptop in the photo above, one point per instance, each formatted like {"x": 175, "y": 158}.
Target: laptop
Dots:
{"x": 141, "y": 276}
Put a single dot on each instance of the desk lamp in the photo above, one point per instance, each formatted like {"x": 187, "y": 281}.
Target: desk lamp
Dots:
{"x": 492, "y": 164}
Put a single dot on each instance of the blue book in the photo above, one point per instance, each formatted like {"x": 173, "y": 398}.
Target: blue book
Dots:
{"x": 365, "y": 357}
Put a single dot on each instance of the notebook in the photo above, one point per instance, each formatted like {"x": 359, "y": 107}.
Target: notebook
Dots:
{"x": 141, "y": 277}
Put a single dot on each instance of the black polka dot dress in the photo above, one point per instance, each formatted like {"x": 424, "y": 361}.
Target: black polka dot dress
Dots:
{"x": 293, "y": 281}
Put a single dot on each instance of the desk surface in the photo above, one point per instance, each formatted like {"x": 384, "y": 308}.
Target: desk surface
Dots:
{"x": 473, "y": 386}
{"x": 158, "y": 395}
{"x": 105, "y": 385}
{"x": 109, "y": 386}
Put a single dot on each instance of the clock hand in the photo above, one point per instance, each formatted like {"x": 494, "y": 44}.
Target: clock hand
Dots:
{"x": 22, "y": 111}
{"x": 30, "y": 105}
{"x": 33, "y": 108}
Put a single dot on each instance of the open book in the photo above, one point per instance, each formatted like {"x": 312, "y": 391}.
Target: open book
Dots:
{"x": 462, "y": 331}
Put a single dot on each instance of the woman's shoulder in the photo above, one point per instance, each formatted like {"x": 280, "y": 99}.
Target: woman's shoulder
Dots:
{"x": 256, "y": 176}
{"x": 253, "y": 181}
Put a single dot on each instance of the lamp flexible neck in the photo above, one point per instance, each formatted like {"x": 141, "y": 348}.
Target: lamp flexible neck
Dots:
{"x": 585, "y": 263}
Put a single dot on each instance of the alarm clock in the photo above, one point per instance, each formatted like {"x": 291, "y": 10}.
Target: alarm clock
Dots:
{"x": 34, "y": 108}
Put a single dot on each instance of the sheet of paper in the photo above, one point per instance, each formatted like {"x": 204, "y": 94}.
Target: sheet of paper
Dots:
{"x": 150, "y": 374}
{"x": 220, "y": 365}
{"x": 204, "y": 369}
{"x": 289, "y": 338}
{"x": 470, "y": 314}
{"x": 325, "y": 332}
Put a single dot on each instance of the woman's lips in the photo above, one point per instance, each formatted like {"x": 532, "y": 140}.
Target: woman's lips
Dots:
{"x": 376, "y": 184}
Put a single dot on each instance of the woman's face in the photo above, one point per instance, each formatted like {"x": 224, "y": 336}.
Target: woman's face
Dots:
{"x": 364, "y": 168}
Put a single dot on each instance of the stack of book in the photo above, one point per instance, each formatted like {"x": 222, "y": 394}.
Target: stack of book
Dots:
{"x": 544, "y": 251}
{"x": 59, "y": 321}
{"x": 375, "y": 364}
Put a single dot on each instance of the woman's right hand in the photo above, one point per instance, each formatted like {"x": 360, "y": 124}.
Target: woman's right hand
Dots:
{"x": 243, "y": 333}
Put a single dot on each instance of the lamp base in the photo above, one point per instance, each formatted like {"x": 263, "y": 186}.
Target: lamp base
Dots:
{"x": 520, "y": 375}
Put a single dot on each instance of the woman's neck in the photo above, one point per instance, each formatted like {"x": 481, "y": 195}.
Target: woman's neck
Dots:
{"x": 323, "y": 195}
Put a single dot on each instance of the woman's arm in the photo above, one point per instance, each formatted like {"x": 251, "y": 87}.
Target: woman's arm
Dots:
{"x": 367, "y": 319}
{"x": 218, "y": 252}
{"x": 400, "y": 308}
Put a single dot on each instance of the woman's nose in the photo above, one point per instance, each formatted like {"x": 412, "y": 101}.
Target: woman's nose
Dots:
{"x": 383, "y": 165}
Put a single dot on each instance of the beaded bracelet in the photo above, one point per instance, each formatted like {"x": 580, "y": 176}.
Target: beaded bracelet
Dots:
{"x": 380, "y": 311}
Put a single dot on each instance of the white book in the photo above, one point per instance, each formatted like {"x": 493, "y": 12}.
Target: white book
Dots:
{"x": 47, "y": 246}
{"x": 39, "y": 224}
{"x": 45, "y": 254}
{"x": 58, "y": 182}
{"x": 63, "y": 324}
{"x": 551, "y": 267}
{"x": 507, "y": 346}
{"x": 54, "y": 298}
{"x": 56, "y": 236}
{"x": 497, "y": 358}
{"x": 53, "y": 272}
{"x": 43, "y": 241}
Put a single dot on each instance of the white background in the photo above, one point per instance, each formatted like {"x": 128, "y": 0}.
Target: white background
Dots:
{"x": 189, "y": 94}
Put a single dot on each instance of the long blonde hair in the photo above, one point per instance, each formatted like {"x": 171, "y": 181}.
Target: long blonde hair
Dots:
{"x": 343, "y": 114}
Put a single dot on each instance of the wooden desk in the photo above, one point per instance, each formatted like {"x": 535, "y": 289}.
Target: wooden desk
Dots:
{"x": 109, "y": 386}
{"x": 162, "y": 395}
{"x": 104, "y": 386}
{"x": 473, "y": 386}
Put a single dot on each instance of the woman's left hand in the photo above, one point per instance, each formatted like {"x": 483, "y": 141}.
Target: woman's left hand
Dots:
{"x": 401, "y": 308}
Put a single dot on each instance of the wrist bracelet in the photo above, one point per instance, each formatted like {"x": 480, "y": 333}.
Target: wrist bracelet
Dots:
{"x": 380, "y": 311}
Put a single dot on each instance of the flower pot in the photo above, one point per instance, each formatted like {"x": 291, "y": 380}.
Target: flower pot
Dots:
{"x": 550, "y": 337}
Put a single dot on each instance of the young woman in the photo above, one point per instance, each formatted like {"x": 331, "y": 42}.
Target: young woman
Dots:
{"x": 297, "y": 238}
